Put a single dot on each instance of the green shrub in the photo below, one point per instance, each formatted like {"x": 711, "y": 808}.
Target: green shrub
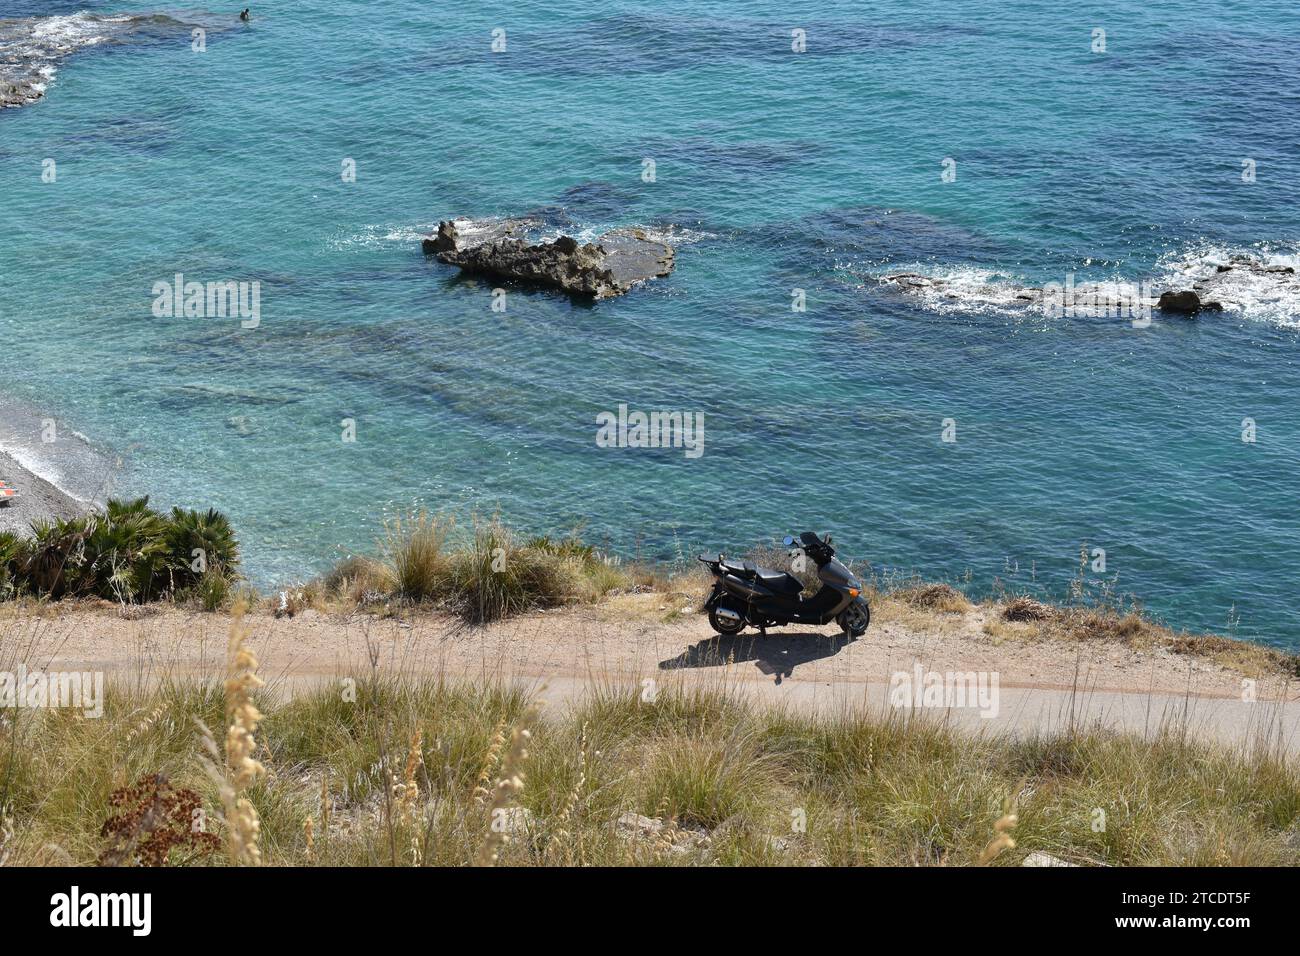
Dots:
{"x": 491, "y": 578}
{"x": 11, "y": 548}
{"x": 570, "y": 547}
{"x": 53, "y": 562}
{"x": 126, "y": 556}
{"x": 126, "y": 553}
{"x": 413, "y": 552}
{"x": 200, "y": 544}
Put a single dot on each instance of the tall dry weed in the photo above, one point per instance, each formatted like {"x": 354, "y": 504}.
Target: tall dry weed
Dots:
{"x": 241, "y": 769}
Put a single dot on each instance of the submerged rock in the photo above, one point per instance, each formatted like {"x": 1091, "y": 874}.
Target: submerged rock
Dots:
{"x": 612, "y": 265}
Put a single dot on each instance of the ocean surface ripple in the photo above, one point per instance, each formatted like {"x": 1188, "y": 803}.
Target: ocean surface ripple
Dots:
{"x": 774, "y": 171}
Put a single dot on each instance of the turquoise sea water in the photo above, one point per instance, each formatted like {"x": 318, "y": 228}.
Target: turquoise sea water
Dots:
{"x": 777, "y": 170}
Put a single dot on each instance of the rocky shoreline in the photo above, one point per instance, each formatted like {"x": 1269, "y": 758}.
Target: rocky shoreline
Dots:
{"x": 612, "y": 265}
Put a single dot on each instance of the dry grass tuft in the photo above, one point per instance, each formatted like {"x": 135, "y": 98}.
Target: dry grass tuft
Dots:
{"x": 1103, "y": 624}
{"x": 1024, "y": 618}
{"x": 481, "y": 574}
{"x": 1024, "y": 608}
{"x": 1253, "y": 660}
{"x": 413, "y": 555}
{"x": 932, "y": 597}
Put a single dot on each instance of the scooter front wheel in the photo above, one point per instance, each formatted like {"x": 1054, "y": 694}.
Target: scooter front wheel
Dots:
{"x": 725, "y": 625}
{"x": 853, "y": 620}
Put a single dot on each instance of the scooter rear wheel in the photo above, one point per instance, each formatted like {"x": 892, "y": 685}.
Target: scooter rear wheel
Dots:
{"x": 724, "y": 625}
{"x": 854, "y": 619}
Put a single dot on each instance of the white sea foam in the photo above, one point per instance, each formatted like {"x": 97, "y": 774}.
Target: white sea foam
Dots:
{"x": 380, "y": 237}
{"x": 1247, "y": 289}
{"x": 383, "y": 235}
{"x": 956, "y": 289}
{"x": 31, "y": 48}
{"x": 677, "y": 235}
{"x": 31, "y": 462}
{"x": 670, "y": 234}
{"x": 71, "y": 463}
{"x": 69, "y": 32}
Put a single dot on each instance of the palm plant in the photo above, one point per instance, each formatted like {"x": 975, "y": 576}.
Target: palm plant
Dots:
{"x": 11, "y": 549}
{"x": 53, "y": 563}
{"x": 199, "y": 543}
{"x": 128, "y": 551}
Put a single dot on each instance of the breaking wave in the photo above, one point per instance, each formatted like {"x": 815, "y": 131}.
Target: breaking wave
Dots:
{"x": 53, "y": 451}
{"x": 381, "y": 236}
{"x": 1260, "y": 284}
{"x": 32, "y": 48}
{"x": 947, "y": 290}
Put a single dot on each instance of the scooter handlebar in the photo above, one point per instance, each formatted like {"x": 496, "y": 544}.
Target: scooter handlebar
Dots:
{"x": 810, "y": 542}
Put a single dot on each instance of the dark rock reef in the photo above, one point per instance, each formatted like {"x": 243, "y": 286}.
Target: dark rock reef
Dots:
{"x": 1185, "y": 302}
{"x": 615, "y": 263}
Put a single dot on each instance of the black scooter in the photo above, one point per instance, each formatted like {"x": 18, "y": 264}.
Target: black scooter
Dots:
{"x": 744, "y": 594}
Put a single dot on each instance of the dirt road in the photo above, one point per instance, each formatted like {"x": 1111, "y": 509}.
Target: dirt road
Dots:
{"x": 640, "y": 642}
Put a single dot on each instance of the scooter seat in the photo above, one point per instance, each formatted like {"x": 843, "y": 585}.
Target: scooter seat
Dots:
{"x": 778, "y": 581}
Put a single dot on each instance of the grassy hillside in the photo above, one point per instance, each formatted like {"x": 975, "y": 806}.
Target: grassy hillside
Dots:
{"x": 393, "y": 771}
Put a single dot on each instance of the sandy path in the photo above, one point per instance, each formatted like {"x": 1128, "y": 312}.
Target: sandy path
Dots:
{"x": 633, "y": 642}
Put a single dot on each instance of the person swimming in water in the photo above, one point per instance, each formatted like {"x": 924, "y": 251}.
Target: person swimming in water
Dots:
{"x": 244, "y": 16}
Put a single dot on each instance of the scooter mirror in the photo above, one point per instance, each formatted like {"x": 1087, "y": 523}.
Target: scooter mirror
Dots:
{"x": 828, "y": 537}
{"x": 787, "y": 541}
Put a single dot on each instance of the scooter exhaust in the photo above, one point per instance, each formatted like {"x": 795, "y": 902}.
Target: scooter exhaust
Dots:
{"x": 729, "y": 614}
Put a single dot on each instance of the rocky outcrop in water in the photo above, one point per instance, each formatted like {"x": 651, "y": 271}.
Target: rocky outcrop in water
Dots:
{"x": 995, "y": 292}
{"x": 32, "y": 48}
{"x": 1185, "y": 302}
{"x": 1211, "y": 286}
{"x": 1193, "y": 288}
{"x": 615, "y": 263}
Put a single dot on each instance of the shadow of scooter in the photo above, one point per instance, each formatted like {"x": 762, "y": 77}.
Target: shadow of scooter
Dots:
{"x": 777, "y": 655}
